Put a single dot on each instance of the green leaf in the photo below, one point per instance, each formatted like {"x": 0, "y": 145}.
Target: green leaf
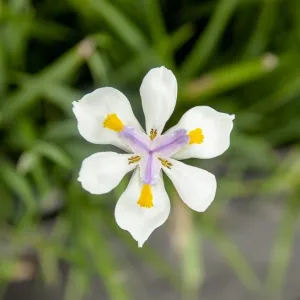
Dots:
{"x": 231, "y": 253}
{"x": 40, "y": 178}
{"x": 77, "y": 284}
{"x": 48, "y": 261}
{"x": 18, "y": 184}
{"x": 61, "y": 130}
{"x": 283, "y": 246}
{"x": 53, "y": 153}
{"x": 155, "y": 20}
{"x": 62, "y": 96}
{"x": 208, "y": 40}
{"x": 7, "y": 205}
{"x": 263, "y": 31}
{"x": 123, "y": 27}
{"x": 232, "y": 76}
{"x": 32, "y": 90}
{"x": 98, "y": 67}
{"x": 187, "y": 243}
{"x": 64, "y": 67}
{"x": 286, "y": 92}
{"x": 19, "y": 5}
{"x": 3, "y": 70}
{"x": 103, "y": 260}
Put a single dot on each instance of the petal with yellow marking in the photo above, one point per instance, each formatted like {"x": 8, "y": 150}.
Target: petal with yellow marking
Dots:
{"x": 139, "y": 221}
{"x": 215, "y": 128}
{"x": 91, "y": 111}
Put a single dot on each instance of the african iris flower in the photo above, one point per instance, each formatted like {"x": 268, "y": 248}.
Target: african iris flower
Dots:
{"x": 105, "y": 117}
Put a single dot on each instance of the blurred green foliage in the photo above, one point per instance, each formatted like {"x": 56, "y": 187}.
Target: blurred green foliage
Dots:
{"x": 238, "y": 56}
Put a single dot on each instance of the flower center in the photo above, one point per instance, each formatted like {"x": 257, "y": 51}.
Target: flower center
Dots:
{"x": 146, "y": 197}
{"x": 151, "y": 152}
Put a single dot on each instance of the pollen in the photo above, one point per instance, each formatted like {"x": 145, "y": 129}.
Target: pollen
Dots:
{"x": 196, "y": 136}
{"x": 146, "y": 197}
{"x": 153, "y": 134}
{"x": 113, "y": 122}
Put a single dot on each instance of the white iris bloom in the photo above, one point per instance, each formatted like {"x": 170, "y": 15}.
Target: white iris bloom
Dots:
{"x": 105, "y": 117}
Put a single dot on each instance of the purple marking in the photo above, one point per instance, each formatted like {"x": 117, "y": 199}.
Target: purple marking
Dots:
{"x": 138, "y": 141}
{"x": 169, "y": 144}
{"x": 148, "y": 177}
{"x": 150, "y": 168}
{"x": 162, "y": 146}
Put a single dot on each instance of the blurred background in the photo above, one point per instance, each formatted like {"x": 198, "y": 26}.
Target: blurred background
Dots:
{"x": 238, "y": 56}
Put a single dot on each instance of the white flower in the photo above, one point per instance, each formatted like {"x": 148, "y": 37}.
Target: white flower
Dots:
{"x": 105, "y": 117}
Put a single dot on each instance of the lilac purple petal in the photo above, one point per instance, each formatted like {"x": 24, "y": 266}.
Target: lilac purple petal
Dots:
{"x": 170, "y": 143}
{"x": 150, "y": 168}
{"x": 138, "y": 141}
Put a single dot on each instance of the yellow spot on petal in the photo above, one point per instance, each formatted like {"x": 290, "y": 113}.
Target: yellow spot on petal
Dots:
{"x": 153, "y": 134}
{"x": 146, "y": 197}
{"x": 196, "y": 136}
{"x": 113, "y": 122}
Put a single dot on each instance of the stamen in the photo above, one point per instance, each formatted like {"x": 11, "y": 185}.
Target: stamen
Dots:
{"x": 153, "y": 134}
{"x": 196, "y": 136}
{"x": 133, "y": 159}
{"x": 113, "y": 122}
{"x": 146, "y": 197}
{"x": 165, "y": 163}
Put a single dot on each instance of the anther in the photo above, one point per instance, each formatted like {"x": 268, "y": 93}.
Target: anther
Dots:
{"x": 165, "y": 163}
{"x": 133, "y": 159}
{"x": 153, "y": 134}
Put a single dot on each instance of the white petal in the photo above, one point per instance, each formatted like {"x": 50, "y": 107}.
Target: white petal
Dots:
{"x": 140, "y": 222}
{"x": 196, "y": 187}
{"x": 158, "y": 92}
{"x": 93, "y": 108}
{"x": 101, "y": 172}
{"x": 216, "y": 128}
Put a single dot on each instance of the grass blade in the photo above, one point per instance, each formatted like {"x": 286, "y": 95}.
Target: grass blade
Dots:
{"x": 54, "y": 153}
{"x": 229, "y": 77}
{"x": 77, "y": 285}
{"x": 123, "y": 27}
{"x": 206, "y": 43}
{"x": 18, "y": 184}
{"x": 283, "y": 246}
